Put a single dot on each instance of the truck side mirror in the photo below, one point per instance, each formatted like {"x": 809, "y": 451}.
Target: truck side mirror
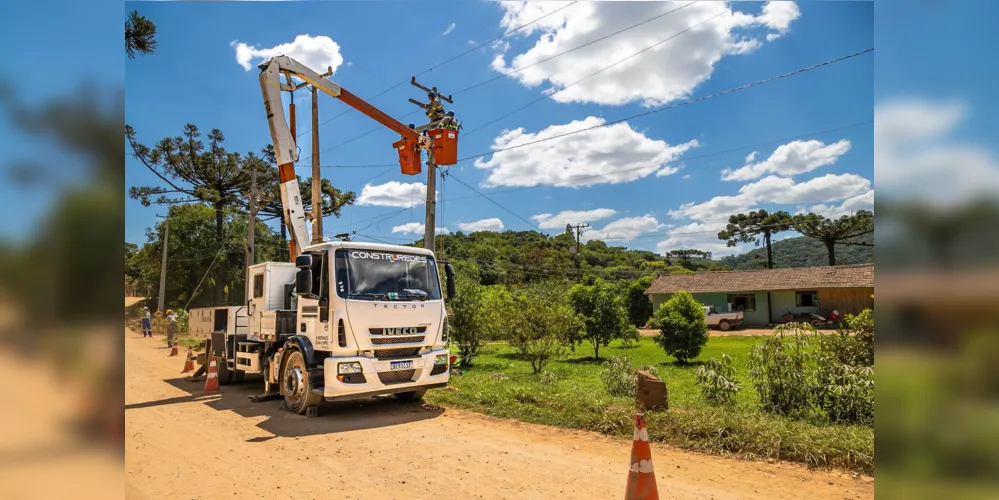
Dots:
{"x": 303, "y": 279}
{"x": 449, "y": 273}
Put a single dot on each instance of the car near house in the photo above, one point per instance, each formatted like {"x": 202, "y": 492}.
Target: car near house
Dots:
{"x": 722, "y": 321}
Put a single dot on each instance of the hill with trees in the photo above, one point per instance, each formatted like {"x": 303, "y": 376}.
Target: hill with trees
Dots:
{"x": 800, "y": 252}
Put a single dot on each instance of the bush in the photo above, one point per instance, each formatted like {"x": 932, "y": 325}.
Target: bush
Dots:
{"x": 630, "y": 338}
{"x": 542, "y": 325}
{"x": 782, "y": 370}
{"x": 620, "y": 378}
{"x": 853, "y": 343}
{"x": 638, "y": 304}
{"x": 682, "y": 327}
{"x": 845, "y": 374}
{"x": 465, "y": 318}
{"x": 717, "y": 381}
{"x": 604, "y": 318}
{"x": 549, "y": 378}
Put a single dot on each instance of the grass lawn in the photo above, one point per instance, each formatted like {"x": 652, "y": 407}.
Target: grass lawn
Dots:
{"x": 501, "y": 385}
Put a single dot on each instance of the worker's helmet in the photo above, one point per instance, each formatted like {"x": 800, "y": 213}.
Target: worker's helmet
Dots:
{"x": 450, "y": 113}
{"x": 431, "y": 95}
{"x": 412, "y": 126}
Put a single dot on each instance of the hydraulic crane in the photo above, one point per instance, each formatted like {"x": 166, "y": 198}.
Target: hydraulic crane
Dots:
{"x": 285, "y": 142}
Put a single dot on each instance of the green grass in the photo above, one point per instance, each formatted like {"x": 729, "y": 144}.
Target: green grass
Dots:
{"x": 193, "y": 343}
{"x": 501, "y": 385}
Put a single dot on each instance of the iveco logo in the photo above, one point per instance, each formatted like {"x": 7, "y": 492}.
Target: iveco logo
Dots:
{"x": 399, "y": 331}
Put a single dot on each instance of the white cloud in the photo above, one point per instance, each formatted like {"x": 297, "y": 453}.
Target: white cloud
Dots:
{"x": 796, "y": 157}
{"x": 772, "y": 189}
{"x": 393, "y": 194}
{"x": 625, "y": 229}
{"x": 417, "y": 228}
{"x": 493, "y": 224}
{"x": 686, "y": 177}
{"x": 449, "y": 29}
{"x": 611, "y": 154}
{"x": 472, "y": 42}
{"x": 850, "y": 205}
{"x": 916, "y": 155}
{"x": 549, "y": 221}
{"x": 698, "y": 235}
{"x": 664, "y": 73}
{"x": 318, "y": 53}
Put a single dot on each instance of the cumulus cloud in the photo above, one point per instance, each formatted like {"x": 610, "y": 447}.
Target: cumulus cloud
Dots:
{"x": 796, "y": 157}
{"x": 699, "y": 235}
{"x": 611, "y": 154}
{"x": 393, "y": 194}
{"x": 493, "y": 224}
{"x": 669, "y": 71}
{"x": 417, "y": 228}
{"x": 559, "y": 220}
{"x": 316, "y": 52}
{"x": 449, "y": 29}
{"x": 917, "y": 156}
{"x": 850, "y": 205}
{"x": 624, "y": 229}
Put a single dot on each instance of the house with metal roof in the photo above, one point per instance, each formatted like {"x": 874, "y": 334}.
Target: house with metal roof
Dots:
{"x": 765, "y": 295}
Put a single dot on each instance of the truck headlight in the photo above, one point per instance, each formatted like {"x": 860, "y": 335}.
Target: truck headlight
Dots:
{"x": 352, "y": 367}
{"x": 440, "y": 359}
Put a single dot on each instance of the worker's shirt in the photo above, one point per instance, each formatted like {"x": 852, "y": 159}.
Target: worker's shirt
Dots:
{"x": 147, "y": 315}
{"x": 172, "y": 318}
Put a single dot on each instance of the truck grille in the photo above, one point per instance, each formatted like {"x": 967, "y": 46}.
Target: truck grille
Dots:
{"x": 402, "y": 352}
{"x": 396, "y": 340}
{"x": 396, "y": 377}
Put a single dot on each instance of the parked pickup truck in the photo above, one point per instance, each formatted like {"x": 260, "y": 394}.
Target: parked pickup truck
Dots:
{"x": 721, "y": 321}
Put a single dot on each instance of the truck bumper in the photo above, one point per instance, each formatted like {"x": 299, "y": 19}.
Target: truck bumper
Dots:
{"x": 378, "y": 376}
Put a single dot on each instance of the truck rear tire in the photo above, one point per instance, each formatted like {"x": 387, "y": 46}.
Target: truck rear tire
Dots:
{"x": 724, "y": 326}
{"x": 411, "y": 397}
{"x": 297, "y": 384}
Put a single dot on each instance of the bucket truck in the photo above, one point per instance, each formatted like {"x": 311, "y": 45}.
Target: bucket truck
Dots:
{"x": 344, "y": 319}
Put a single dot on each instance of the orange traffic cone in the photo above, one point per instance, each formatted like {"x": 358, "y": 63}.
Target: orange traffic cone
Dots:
{"x": 189, "y": 364}
{"x": 173, "y": 350}
{"x": 212, "y": 379}
{"x": 641, "y": 478}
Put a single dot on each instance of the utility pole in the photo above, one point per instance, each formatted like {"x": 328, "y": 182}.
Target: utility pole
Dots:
{"x": 317, "y": 180}
{"x": 429, "y": 230}
{"x": 251, "y": 255}
{"x": 578, "y": 228}
{"x": 166, "y": 243}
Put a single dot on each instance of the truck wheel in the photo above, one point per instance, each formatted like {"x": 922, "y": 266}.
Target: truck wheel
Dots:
{"x": 237, "y": 376}
{"x": 724, "y": 326}
{"x": 410, "y": 397}
{"x": 297, "y": 384}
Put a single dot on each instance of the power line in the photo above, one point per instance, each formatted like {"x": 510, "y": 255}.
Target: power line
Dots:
{"x": 463, "y": 183}
{"x": 646, "y": 113}
{"x": 438, "y": 65}
{"x": 548, "y": 96}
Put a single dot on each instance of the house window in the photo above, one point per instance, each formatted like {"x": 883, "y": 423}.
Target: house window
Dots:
{"x": 258, "y": 285}
{"x": 806, "y": 299}
{"x": 742, "y": 302}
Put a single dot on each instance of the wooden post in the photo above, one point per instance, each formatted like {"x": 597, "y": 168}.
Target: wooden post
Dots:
{"x": 317, "y": 180}
{"x": 428, "y": 233}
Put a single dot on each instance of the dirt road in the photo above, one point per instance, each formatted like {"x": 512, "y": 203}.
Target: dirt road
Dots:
{"x": 182, "y": 444}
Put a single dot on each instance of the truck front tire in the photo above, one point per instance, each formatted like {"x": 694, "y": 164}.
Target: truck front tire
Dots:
{"x": 724, "y": 326}
{"x": 411, "y": 397}
{"x": 296, "y": 384}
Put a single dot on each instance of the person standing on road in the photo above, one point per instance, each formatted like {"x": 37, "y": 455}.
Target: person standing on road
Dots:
{"x": 171, "y": 326}
{"x": 147, "y": 322}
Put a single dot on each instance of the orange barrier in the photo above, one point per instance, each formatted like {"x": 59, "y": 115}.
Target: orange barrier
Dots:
{"x": 189, "y": 364}
{"x": 641, "y": 478}
{"x": 173, "y": 350}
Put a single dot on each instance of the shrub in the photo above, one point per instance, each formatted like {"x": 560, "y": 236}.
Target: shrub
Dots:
{"x": 466, "y": 317}
{"x": 549, "y": 378}
{"x": 682, "y": 328}
{"x": 630, "y": 338}
{"x": 604, "y": 318}
{"x": 638, "y": 304}
{"x": 542, "y": 324}
{"x": 845, "y": 374}
{"x": 619, "y": 376}
{"x": 853, "y": 343}
{"x": 717, "y": 381}
{"x": 782, "y": 370}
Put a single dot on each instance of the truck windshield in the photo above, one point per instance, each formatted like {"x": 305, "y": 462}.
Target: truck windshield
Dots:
{"x": 378, "y": 275}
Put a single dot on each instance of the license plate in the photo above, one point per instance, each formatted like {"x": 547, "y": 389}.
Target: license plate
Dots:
{"x": 401, "y": 365}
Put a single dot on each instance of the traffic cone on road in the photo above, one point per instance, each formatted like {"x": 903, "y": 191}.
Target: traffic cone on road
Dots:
{"x": 189, "y": 364}
{"x": 173, "y": 350}
{"x": 641, "y": 478}
{"x": 212, "y": 379}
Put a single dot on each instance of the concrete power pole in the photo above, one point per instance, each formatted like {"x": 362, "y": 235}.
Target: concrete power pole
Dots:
{"x": 578, "y": 228}
{"x": 317, "y": 180}
{"x": 428, "y": 234}
{"x": 166, "y": 243}
{"x": 251, "y": 256}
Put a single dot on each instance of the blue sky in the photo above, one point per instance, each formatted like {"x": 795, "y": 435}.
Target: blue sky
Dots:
{"x": 195, "y": 77}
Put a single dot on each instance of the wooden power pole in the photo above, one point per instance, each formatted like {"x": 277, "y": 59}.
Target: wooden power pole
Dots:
{"x": 578, "y": 229}
{"x": 166, "y": 242}
{"x": 317, "y": 180}
{"x": 252, "y": 222}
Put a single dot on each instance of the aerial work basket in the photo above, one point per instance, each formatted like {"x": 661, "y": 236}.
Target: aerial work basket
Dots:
{"x": 409, "y": 157}
{"x": 445, "y": 146}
